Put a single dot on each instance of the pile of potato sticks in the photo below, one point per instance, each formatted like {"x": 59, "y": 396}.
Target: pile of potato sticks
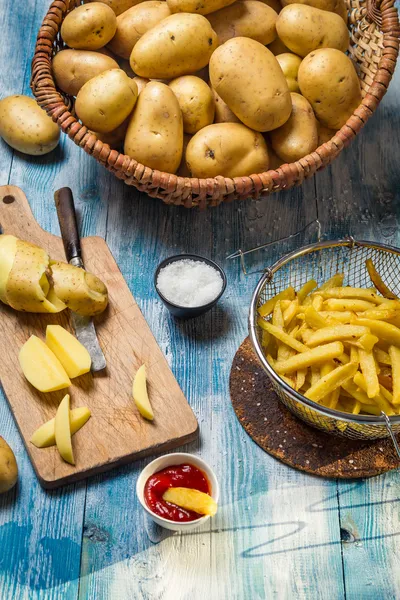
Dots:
{"x": 337, "y": 346}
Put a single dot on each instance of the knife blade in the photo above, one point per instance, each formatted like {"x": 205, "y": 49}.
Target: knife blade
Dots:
{"x": 84, "y": 327}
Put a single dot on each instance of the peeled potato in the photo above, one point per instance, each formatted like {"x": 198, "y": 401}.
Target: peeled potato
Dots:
{"x": 70, "y": 352}
{"x": 81, "y": 291}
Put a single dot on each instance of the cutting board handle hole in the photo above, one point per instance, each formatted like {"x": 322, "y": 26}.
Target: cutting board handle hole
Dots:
{"x": 9, "y": 199}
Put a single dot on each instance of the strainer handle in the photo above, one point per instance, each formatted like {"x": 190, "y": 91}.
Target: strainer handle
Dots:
{"x": 391, "y": 433}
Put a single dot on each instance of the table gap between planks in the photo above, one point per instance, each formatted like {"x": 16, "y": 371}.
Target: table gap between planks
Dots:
{"x": 279, "y": 533}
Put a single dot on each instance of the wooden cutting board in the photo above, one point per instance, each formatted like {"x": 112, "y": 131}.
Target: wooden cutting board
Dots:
{"x": 116, "y": 433}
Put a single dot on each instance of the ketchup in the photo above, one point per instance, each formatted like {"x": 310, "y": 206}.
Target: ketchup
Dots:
{"x": 187, "y": 476}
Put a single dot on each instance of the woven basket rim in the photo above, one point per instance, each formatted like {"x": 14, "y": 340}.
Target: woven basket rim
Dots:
{"x": 180, "y": 190}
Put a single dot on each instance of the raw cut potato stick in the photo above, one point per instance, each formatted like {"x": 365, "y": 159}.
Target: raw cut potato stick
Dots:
{"x": 379, "y": 399}
{"x": 334, "y": 282}
{"x": 394, "y": 354}
{"x": 377, "y": 281}
{"x": 347, "y": 304}
{"x": 349, "y": 292}
{"x": 385, "y": 331}
{"x": 336, "y": 333}
{"x": 310, "y": 357}
{"x": 282, "y": 336}
{"x": 304, "y": 291}
{"x": 368, "y": 369}
{"x": 266, "y": 309}
{"x": 331, "y": 381}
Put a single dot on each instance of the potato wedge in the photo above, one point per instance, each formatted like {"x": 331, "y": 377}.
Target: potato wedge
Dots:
{"x": 62, "y": 429}
{"x": 191, "y": 500}
{"x": 140, "y": 396}
{"x": 45, "y": 435}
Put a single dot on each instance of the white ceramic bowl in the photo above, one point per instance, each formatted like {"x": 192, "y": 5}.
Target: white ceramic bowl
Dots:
{"x": 168, "y": 460}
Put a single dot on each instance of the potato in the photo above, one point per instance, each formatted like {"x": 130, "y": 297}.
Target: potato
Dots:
{"x": 155, "y": 131}
{"x": 62, "y": 431}
{"x": 248, "y": 18}
{"x": 183, "y": 170}
{"x": 298, "y": 136}
{"x": 248, "y": 78}
{"x": 141, "y": 83}
{"x": 180, "y": 45}
{"x": 223, "y": 113}
{"x": 201, "y": 7}
{"x": 336, "y": 6}
{"x": 41, "y": 367}
{"x": 275, "y": 4}
{"x": 277, "y": 46}
{"x": 228, "y": 149}
{"x": 118, "y": 6}
{"x": 45, "y": 436}
{"x": 305, "y": 28}
{"x": 70, "y": 352}
{"x": 328, "y": 79}
{"x": 89, "y": 27}
{"x": 133, "y": 23}
{"x": 140, "y": 395}
{"x": 290, "y": 64}
{"x": 26, "y": 127}
{"x": 82, "y": 292}
{"x": 324, "y": 134}
{"x": 73, "y": 68}
{"x": 115, "y": 137}
{"x": 105, "y": 101}
{"x": 8, "y": 467}
{"x": 196, "y": 101}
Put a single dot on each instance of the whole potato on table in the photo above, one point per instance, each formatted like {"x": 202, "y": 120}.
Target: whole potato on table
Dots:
{"x": 134, "y": 22}
{"x": 180, "y": 45}
{"x": 73, "y": 68}
{"x": 324, "y": 134}
{"x": 155, "y": 131}
{"x": 290, "y": 64}
{"x": 305, "y": 28}
{"x": 8, "y": 467}
{"x": 105, "y": 101}
{"x": 328, "y": 79}
{"x": 118, "y": 6}
{"x": 26, "y": 127}
{"x": 228, "y": 149}
{"x": 298, "y": 136}
{"x": 223, "y": 113}
{"x": 248, "y": 18}
{"x": 196, "y": 101}
{"x": 201, "y": 7}
{"x": 89, "y": 26}
{"x": 248, "y": 78}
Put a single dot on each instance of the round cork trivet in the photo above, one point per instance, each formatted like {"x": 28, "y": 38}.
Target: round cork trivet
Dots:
{"x": 277, "y": 431}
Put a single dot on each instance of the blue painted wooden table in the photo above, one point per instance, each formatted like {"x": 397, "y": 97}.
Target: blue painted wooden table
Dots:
{"x": 279, "y": 533}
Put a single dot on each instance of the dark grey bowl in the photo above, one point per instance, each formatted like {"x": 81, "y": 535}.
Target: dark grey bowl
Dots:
{"x": 188, "y": 312}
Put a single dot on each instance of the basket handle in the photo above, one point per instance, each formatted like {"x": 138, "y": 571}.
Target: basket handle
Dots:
{"x": 391, "y": 433}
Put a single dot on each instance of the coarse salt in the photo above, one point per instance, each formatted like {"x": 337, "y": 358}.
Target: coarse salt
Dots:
{"x": 189, "y": 282}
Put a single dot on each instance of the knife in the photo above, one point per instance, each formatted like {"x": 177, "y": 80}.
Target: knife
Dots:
{"x": 84, "y": 326}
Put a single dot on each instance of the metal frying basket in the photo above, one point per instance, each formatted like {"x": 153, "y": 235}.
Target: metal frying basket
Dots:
{"x": 321, "y": 261}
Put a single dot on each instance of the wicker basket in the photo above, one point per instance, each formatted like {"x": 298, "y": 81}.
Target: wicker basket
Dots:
{"x": 374, "y": 47}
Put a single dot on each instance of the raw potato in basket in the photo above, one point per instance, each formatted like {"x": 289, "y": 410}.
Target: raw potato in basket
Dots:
{"x": 321, "y": 342}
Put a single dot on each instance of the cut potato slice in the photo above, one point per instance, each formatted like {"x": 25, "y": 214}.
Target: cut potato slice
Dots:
{"x": 8, "y": 250}
{"x": 191, "y": 500}
{"x": 140, "y": 396}
{"x": 41, "y": 367}
{"x": 70, "y": 352}
{"x": 62, "y": 429}
{"x": 45, "y": 435}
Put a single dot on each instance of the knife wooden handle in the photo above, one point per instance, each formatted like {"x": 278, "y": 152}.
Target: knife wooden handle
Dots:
{"x": 65, "y": 206}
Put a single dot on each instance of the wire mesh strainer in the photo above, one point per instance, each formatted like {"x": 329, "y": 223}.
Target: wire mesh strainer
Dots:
{"x": 321, "y": 261}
